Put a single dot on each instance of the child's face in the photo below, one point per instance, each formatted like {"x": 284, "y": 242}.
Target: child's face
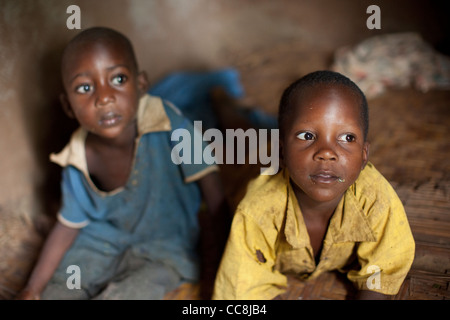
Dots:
{"x": 323, "y": 146}
{"x": 102, "y": 88}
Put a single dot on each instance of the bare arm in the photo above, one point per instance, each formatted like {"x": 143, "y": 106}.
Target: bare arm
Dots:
{"x": 55, "y": 246}
{"x": 215, "y": 225}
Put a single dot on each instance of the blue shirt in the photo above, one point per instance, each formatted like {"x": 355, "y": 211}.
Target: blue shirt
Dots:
{"x": 155, "y": 213}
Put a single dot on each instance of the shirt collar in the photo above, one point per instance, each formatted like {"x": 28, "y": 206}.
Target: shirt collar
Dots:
{"x": 348, "y": 223}
{"x": 151, "y": 117}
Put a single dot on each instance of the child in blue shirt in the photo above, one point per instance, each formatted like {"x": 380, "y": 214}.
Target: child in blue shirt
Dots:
{"x": 128, "y": 221}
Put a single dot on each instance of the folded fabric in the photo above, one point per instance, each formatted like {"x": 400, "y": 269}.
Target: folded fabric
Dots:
{"x": 190, "y": 92}
{"x": 393, "y": 60}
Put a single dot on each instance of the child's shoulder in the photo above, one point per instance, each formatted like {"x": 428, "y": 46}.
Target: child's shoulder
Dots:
{"x": 371, "y": 180}
{"x": 374, "y": 193}
{"x": 156, "y": 112}
{"x": 152, "y": 115}
{"x": 266, "y": 196}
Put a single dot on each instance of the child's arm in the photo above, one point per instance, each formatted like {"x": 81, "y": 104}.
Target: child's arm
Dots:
{"x": 247, "y": 270}
{"x": 55, "y": 246}
{"x": 386, "y": 261}
{"x": 215, "y": 224}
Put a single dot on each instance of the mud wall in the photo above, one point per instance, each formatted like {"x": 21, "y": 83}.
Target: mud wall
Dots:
{"x": 168, "y": 35}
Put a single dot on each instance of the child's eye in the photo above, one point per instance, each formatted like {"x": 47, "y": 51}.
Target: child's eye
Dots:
{"x": 306, "y": 136}
{"x": 347, "y": 138}
{"x": 119, "y": 79}
{"x": 84, "y": 88}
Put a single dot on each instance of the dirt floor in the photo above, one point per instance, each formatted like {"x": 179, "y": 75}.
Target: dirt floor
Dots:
{"x": 409, "y": 133}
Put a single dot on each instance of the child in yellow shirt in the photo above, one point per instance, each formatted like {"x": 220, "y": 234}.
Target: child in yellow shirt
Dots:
{"x": 325, "y": 210}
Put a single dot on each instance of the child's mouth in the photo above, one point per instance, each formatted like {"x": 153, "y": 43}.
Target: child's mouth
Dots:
{"x": 109, "y": 119}
{"x": 326, "y": 178}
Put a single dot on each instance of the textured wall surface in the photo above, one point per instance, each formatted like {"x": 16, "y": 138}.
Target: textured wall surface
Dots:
{"x": 168, "y": 35}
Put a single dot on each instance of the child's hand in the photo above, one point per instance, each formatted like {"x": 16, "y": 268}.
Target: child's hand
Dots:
{"x": 27, "y": 294}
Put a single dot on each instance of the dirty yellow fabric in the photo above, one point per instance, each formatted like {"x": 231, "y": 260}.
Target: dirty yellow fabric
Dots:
{"x": 269, "y": 239}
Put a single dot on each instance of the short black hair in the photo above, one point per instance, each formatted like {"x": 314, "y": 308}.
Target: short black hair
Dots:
{"x": 316, "y": 78}
{"x": 99, "y": 34}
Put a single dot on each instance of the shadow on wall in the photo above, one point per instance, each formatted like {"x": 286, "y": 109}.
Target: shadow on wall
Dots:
{"x": 48, "y": 127}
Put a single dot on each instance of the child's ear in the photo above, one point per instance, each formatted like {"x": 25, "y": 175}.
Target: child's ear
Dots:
{"x": 66, "y": 105}
{"x": 143, "y": 83}
{"x": 365, "y": 154}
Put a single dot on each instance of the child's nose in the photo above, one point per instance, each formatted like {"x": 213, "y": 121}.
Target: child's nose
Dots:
{"x": 325, "y": 152}
{"x": 105, "y": 95}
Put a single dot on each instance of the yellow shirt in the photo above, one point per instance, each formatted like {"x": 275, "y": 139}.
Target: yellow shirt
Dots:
{"x": 269, "y": 239}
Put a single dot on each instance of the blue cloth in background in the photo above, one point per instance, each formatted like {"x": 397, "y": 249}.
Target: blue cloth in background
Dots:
{"x": 190, "y": 92}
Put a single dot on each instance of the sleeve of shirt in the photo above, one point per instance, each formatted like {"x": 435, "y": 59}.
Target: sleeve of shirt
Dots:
{"x": 189, "y": 148}
{"x": 72, "y": 214}
{"x": 386, "y": 261}
{"x": 247, "y": 267}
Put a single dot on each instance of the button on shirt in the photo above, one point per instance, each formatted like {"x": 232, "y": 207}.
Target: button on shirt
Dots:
{"x": 155, "y": 213}
{"x": 269, "y": 239}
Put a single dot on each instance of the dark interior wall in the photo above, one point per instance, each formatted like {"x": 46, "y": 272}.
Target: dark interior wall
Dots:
{"x": 168, "y": 35}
